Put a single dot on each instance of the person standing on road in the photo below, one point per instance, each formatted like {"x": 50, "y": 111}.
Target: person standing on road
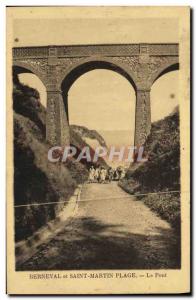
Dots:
{"x": 97, "y": 174}
{"x": 110, "y": 174}
{"x": 103, "y": 175}
{"x": 116, "y": 174}
{"x": 91, "y": 177}
{"x": 122, "y": 174}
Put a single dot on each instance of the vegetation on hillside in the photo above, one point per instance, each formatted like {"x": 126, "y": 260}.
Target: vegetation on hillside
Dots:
{"x": 161, "y": 172}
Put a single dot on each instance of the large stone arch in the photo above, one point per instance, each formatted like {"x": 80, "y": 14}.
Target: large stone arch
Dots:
{"x": 81, "y": 66}
{"x": 84, "y": 66}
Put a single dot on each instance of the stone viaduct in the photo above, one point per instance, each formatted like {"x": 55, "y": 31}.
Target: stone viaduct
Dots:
{"x": 59, "y": 66}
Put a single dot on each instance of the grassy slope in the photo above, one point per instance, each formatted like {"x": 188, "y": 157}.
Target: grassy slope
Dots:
{"x": 161, "y": 172}
{"x": 36, "y": 180}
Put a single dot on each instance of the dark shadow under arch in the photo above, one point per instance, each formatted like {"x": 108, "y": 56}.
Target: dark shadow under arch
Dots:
{"x": 74, "y": 74}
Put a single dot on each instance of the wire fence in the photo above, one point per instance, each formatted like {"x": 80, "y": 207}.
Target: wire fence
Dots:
{"x": 99, "y": 199}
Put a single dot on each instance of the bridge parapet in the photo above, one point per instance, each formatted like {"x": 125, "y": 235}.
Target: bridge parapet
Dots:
{"x": 93, "y": 50}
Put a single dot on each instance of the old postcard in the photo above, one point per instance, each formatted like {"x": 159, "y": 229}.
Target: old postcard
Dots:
{"x": 98, "y": 143}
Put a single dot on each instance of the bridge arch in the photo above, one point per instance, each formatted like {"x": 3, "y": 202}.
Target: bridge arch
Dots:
{"x": 111, "y": 104}
{"x": 165, "y": 69}
{"x": 84, "y": 66}
{"x": 22, "y": 67}
{"x": 33, "y": 79}
{"x": 59, "y": 66}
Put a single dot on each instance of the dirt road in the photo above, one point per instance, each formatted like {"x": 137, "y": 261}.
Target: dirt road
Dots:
{"x": 110, "y": 230}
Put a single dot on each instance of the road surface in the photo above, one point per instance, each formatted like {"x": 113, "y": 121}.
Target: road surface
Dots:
{"x": 110, "y": 230}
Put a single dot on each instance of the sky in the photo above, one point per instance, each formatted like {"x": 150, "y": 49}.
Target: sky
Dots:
{"x": 101, "y": 99}
{"x": 92, "y": 31}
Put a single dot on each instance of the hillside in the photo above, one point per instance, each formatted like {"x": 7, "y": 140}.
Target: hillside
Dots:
{"x": 36, "y": 180}
{"x": 86, "y": 133}
{"x": 161, "y": 173}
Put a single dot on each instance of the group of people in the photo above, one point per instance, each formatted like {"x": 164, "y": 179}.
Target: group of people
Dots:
{"x": 103, "y": 175}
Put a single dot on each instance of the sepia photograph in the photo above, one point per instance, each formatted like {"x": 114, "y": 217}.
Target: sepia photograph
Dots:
{"x": 98, "y": 132}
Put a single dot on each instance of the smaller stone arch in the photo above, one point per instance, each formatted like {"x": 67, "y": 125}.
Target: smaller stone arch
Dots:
{"x": 171, "y": 68}
{"x": 23, "y": 67}
{"x": 84, "y": 66}
{"x": 165, "y": 89}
